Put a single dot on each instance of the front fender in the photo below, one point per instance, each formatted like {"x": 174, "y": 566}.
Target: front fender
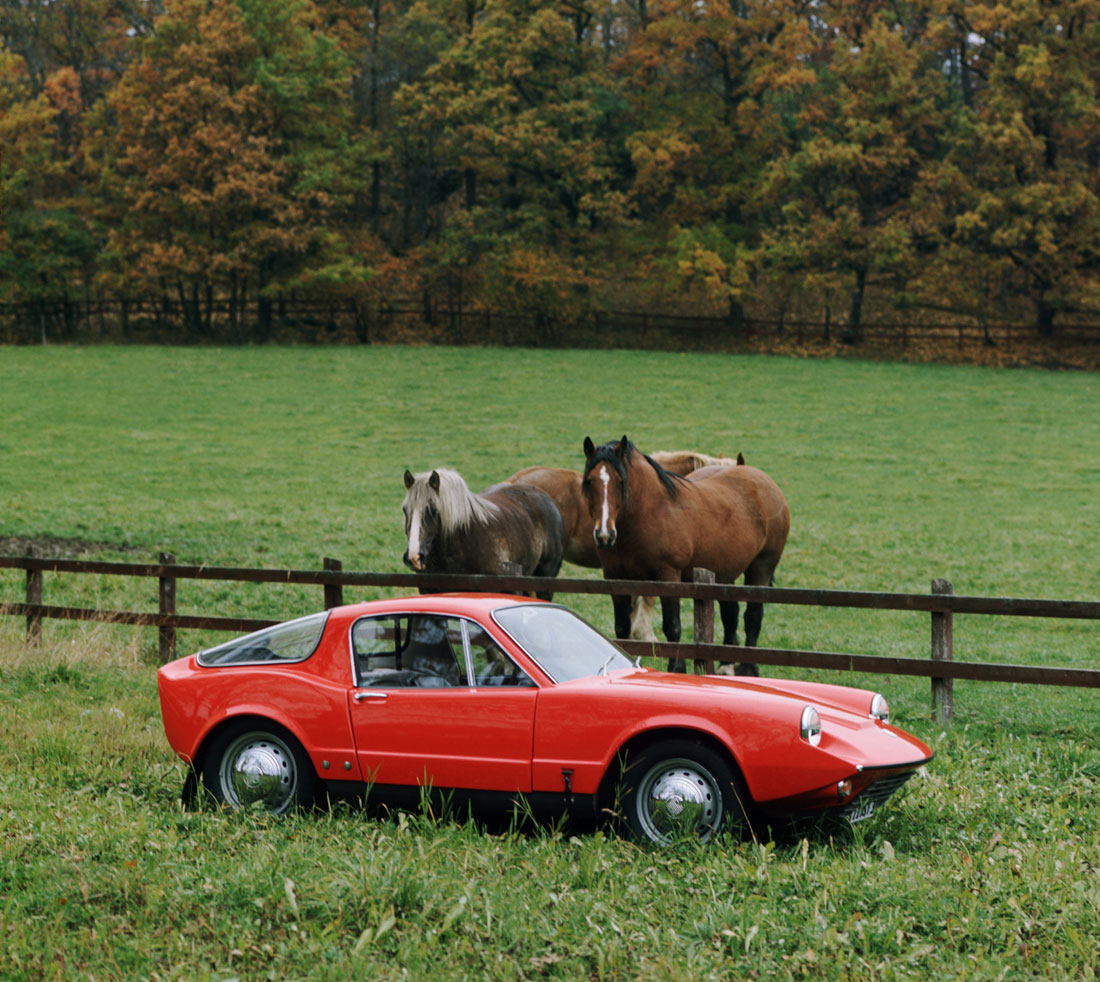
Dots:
{"x": 583, "y": 731}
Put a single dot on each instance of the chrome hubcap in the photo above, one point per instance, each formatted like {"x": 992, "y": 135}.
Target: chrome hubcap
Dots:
{"x": 677, "y": 798}
{"x": 259, "y": 769}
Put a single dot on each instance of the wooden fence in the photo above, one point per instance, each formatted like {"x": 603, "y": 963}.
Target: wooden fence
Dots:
{"x": 346, "y": 320}
{"x": 941, "y": 604}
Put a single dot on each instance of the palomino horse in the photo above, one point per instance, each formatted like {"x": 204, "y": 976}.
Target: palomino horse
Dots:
{"x": 653, "y": 525}
{"x": 564, "y": 486}
{"x": 684, "y": 462}
{"x": 449, "y": 529}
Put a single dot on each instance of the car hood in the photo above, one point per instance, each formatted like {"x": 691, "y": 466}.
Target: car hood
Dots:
{"x": 765, "y": 714}
{"x": 825, "y": 697}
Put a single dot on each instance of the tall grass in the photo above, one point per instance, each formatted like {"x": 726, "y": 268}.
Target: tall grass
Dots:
{"x": 985, "y": 867}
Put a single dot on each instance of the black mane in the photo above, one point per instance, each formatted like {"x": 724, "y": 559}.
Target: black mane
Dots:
{"x": 609, "y": 453}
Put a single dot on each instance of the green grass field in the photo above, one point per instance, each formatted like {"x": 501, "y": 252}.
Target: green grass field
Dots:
{"x": 988, "y": 866}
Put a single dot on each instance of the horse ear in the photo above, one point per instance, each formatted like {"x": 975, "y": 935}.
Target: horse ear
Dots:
{"x": 409, "y": 479}
{"x": 624, "y": 445}
{"x": 740, "y": 458}
{"x": 589, "y": 447}
{"x": 433, "y": 481}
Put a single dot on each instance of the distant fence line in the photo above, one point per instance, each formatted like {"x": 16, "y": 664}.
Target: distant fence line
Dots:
{"x": 942, "y": 604}
{"x": 363, "y": 322}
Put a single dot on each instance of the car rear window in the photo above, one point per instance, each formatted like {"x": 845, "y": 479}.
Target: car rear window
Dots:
{"x": 293, "y": 641}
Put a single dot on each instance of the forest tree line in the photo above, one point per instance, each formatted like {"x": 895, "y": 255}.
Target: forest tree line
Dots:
{"x": 760, "y": 158}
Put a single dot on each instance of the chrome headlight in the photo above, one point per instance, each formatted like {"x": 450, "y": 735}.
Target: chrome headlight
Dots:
{"x": 880, "y": 709}
{"x": 811, "y": 726}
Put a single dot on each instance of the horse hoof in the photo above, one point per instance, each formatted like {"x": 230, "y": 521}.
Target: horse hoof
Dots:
{"x": 746, "y": 668}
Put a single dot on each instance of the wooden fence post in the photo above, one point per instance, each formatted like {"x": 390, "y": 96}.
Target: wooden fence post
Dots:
{"x": 334, "y": 592}
{"x": 166, "y": 636}
{"x": 34, "y": 596}
{"x": 943, "y": 695}
{"x": 703, "y": 620}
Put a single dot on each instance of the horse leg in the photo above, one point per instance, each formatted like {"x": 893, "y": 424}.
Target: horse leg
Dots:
{"x": 727, "y": 609}
{"x": 754, "y": 617}
{"x": 621, "y": 606}
{"x": 670, "y": 624}
{"x": 761, "y": 572}
{"x": 641, "y": 619}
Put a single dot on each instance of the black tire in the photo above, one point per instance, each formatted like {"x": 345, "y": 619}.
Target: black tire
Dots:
{"x": 256, "y": 762}
{"x": 681, "y": 789}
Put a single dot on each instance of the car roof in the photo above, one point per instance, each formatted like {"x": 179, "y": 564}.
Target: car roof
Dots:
{"x": 453, "y": 604}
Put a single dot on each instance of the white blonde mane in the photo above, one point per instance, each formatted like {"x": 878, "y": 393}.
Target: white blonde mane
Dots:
{"x": 457, "y": 505}
{"x": 677, "y": 459}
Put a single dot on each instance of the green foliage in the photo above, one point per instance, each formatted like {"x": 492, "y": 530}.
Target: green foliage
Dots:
{"x": 45, "y": 251}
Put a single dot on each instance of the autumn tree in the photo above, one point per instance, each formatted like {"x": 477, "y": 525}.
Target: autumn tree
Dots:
{"x": 517, "y": 122}
{"x": 552, "y": 155}
{"x": 709, "y": 86}
{"x": 222, "y": 150}
{"x": 876, "y": 118}
{"x": 1031, "y": 158}
{"x": 44, "y": 246}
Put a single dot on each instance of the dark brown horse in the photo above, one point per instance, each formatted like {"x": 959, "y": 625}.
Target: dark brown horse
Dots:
{"x": 449, "y": 529}
{"x": 564, "y": 486}
{"x": 649, "y": 524}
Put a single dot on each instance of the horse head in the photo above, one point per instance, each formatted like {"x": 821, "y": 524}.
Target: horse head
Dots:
{"x": 422, "y": 518}
{"x": 605, "y": 487}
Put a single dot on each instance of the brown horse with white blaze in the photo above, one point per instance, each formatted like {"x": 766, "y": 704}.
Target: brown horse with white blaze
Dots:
{"x": 650, "y": 524}
{"x": 564, "y": 486}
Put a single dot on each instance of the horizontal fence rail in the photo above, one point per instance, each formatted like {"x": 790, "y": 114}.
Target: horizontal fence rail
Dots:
{"x": 364, "y": 320}
{"x": 941, "y": 604}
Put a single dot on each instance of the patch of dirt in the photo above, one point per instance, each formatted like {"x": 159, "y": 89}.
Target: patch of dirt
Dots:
{"x": 58, "y": 547}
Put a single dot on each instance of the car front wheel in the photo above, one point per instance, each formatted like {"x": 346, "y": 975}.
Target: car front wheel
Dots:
{"x": 259, "y": 763}
{"x": 681, "y": 789}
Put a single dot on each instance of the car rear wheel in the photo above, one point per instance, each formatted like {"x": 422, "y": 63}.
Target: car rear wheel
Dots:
{"x": 681, "y": 789}
{"x": 259, "y": 763}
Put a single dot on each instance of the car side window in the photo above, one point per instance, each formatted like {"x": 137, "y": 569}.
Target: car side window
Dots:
{"x": 293, "y": 641}
{"x": 420, "y": 651}
{"x": 491, "y": 665}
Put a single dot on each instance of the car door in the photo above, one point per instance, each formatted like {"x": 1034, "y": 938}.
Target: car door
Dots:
{"x": 416, "y": 718}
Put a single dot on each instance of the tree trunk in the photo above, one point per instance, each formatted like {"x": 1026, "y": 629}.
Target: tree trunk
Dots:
{"x": 263, "y": 319}
{"x": 854, "y": 332}
{"x": 1044, "y": 317}
{"x": 736, "y": 313}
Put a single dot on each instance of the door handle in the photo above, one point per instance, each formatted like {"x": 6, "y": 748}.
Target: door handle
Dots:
{"x": 370, "y": 694}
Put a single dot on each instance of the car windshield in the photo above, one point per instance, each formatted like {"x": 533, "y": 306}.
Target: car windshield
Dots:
{"x": 564, "y": 646}
{"x": 292, "y": 641}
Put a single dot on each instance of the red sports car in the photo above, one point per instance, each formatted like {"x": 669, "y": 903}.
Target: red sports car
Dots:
{"x": 497, "y": 699}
